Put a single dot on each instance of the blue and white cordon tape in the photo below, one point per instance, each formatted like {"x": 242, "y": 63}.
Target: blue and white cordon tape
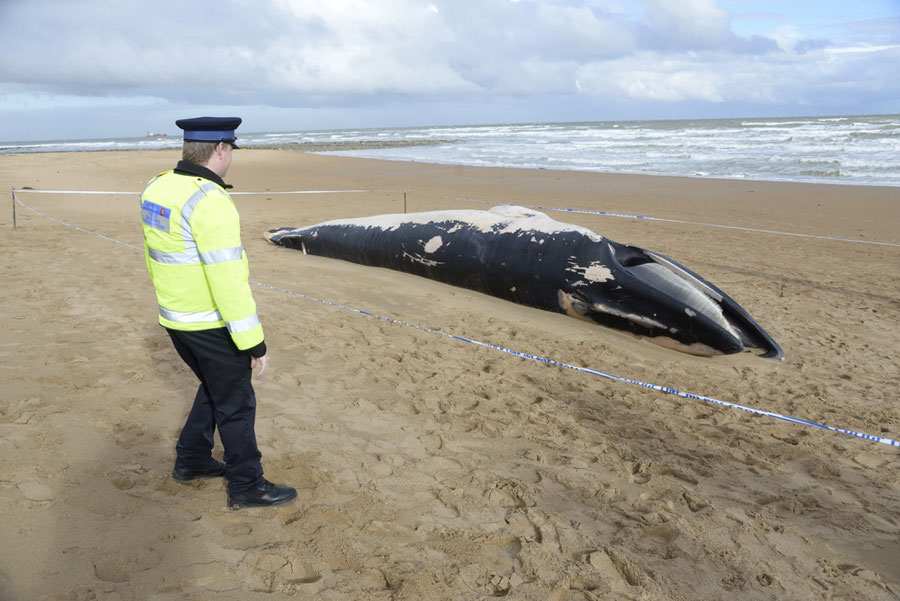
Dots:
{"x": 666, "y": 389}
{"x": 646, "y": 218}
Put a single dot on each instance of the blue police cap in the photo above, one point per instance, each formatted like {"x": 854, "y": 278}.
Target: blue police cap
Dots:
{"x": 210, "y": 129}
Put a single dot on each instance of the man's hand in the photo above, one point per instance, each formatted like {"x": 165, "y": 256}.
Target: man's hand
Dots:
{"x": 263, "y": 365}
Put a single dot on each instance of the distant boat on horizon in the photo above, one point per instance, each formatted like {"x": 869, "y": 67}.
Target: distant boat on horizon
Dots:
{"x": 150, "y": 134}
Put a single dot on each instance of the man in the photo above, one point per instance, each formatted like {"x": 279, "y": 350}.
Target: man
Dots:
{"x": 194, "y": 254}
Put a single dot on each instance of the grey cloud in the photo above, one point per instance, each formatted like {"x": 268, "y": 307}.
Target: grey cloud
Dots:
{"x": 247, "y": 48}
{"x": 812, "y": 44}
{"x": 307, "y": 54}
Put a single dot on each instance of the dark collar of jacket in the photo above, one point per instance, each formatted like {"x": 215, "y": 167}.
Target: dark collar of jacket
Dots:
{"x": 185, "y": 168}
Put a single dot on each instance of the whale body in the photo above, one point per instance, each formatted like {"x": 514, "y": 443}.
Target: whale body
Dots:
{"x": 526, "y": 257}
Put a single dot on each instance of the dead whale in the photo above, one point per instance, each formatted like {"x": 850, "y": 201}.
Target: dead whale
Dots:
{"x": 526, "y": 257}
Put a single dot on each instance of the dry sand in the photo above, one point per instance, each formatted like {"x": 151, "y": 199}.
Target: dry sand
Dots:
{"x": 430, "y": 468}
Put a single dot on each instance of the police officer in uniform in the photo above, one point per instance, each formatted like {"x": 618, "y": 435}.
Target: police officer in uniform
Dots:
{"x": 199, "y": 269}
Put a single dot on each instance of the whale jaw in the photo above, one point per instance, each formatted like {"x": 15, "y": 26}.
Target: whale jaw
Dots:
{"x": 656, "y": 298}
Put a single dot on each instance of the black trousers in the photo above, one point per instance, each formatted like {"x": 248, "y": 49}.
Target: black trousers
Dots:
{"x": 225, "y": 399}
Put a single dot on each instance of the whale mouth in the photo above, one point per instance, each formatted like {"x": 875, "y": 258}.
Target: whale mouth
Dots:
{"x": 696, "y": 296}
{"x": 675, "y": 298}
{"x": 748, "y": 331}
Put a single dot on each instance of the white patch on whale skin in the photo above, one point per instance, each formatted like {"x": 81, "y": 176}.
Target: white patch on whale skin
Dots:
{"x": 574, "y": 308}
{"x": 598, "y": 273}
{"x": 632, "y": 317}
{"x": 502, "y": 219}
{"x": 420, "y": 259}
{"x": 689, "y": 312}
{"x": 595, "y": 272}
{"x": 571, "y": 306}
{"x": 514, "y": 211}
{"x": 433, "y": 244}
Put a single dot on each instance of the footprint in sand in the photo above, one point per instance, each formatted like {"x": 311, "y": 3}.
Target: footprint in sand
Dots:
{"x": 36, "y": 491}
{"x": 521, "y": 526}
{"x": 511, "y": 494}
{"x": 291, "y": 571}
{"x": 640, "y": 471}
{"x": 128, "y": 435}
{"x": 694, "y": 502}
{"x": 122, "y": 566}
{"x": 432, "y": 443}
{"x": 661, "y": 535}
{"x": 495, "y": 576}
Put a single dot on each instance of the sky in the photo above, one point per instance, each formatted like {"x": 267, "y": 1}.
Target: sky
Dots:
{"x": 84, "y": 69}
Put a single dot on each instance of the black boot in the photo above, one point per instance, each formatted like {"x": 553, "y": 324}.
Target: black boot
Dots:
{"x": 212, "y": 469}
{"x": 262, "y": 495}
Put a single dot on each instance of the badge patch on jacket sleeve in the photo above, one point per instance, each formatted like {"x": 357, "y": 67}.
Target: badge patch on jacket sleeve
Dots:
{"x": 155, "y": 216}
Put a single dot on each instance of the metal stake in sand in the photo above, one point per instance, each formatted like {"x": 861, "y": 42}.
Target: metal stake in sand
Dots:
{"x": 404, "y": 202}
{"x": 14, "y": 207}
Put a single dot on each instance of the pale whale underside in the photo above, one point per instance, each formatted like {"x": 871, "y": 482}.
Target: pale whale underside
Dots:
{"x": 526, "y": 257}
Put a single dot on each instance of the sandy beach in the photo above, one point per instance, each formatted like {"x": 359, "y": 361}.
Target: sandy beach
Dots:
{"x": 429, "y": 468}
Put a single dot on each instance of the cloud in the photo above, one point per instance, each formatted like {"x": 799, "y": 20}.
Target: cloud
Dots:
{"x": 825, "y": 77}
{"x": 465, "y": 53}
{"x": 687, "y": 25}
{"x": 885, "y": 30}
{"x": 248, "y": 49}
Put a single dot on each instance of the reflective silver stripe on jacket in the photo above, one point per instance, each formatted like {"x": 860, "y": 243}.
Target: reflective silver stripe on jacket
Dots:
{"x": 187, "y": 210}
{"x": 200, "y": 316}
{"x": 193, "y": 258}
{"x": 190, "y": 256}
{"x": 185, "y": 258}
{"x": 222, "y": 256}
{"x": 242, "y": 325}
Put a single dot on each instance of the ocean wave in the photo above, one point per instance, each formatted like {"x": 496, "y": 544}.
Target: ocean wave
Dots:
{"x": 854, "y": 149}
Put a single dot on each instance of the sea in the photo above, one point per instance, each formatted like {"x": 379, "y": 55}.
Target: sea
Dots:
{"x": 856, "y": 150}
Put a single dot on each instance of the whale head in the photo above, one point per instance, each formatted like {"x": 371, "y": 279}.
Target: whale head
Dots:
{"x": 654, "y": 297}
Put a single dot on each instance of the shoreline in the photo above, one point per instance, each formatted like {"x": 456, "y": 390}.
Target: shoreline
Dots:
{"x": 304, "y": 149}
{"x": 431, "y": 469}
{"x": 849, "y": 150}
{"x": 315, "y": 147}
{"x": 629, "y": 173}
{"x": 297, "y": 146}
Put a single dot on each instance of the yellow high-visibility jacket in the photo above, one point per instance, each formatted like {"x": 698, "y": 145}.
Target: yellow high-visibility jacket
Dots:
{"x": 192, "y": 244}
